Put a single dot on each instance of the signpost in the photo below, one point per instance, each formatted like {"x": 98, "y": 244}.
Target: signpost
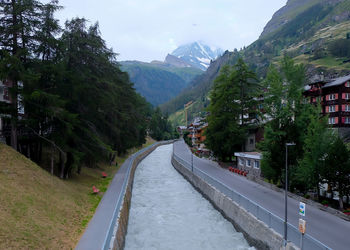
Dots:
{"x": 302, "y": 226}
{"x": 302, "y": 223}
{"x": 302, "y": 207}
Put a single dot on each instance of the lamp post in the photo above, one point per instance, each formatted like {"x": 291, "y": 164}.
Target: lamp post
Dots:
{"x": 192, "y": 160}
{"x": 285, "y": 194}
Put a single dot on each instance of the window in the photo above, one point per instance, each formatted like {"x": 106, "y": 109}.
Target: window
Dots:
{"x": 241, "y": 161}
{"x": 347, "y": 84}
{"x": 251, "y": 141}
{"x": 332, "y": 108}
{"x": 347, "y": 96}
{"x": 248, "y": 162}
{"x": 256, "y": 164}
{"x": 346, "y": 120}
{"x": 332, "y": 120}
{"x": 347, "y": 108}
{"x": 332, "y": 97}
{"x": 6, "y": 94}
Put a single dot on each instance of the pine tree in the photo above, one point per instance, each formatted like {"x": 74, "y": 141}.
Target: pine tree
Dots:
{"x": 337, "y": 169}
{"x": 232, "y": 99}
{"x": 316, "y": 148}
{"x": 287, "y": 117}
{"x": 19, "y": 24}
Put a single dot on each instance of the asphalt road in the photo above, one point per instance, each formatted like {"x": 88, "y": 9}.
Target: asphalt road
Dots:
{"x": 327, "y": 228}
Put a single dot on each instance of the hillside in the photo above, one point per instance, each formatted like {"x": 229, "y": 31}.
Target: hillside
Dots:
{"x": 40, "y": 211}
{"x": 158, "y": 82}
{"x": 200, "y": 87}
{"x": 308, "y": 31}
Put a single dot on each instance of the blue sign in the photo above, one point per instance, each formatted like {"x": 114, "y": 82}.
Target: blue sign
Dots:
{"x": 302, "y": 208}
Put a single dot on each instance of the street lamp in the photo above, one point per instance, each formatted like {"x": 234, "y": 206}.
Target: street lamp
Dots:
{"x": 285, "y": 193}
{"x": 192, "y": 160}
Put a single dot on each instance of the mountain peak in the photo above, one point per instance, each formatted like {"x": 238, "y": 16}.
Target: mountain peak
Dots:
{"x": 197, "y": 54}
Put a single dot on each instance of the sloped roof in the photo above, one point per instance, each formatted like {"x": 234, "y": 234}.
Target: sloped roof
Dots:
{"x": 337, "y": 81}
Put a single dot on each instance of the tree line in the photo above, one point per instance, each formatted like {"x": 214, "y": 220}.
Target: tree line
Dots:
{"x": 240, "y": 102}
{"x": 79, "y": 107}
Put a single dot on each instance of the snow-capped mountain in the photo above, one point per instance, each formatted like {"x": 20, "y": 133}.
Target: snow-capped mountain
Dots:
{"x": 197, "y": 54}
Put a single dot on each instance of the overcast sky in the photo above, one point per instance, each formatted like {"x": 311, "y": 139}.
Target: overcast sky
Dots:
{"x": 148, "y": 30}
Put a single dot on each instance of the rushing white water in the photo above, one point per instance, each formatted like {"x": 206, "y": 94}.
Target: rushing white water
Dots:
{"x": 168, "y": 213}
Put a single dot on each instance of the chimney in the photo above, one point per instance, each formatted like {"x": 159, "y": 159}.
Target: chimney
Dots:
{"x": 322, "y": 77}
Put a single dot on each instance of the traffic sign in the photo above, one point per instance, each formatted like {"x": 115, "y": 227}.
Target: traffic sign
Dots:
{"x": 302, "y": 208}
{"x": 302, "y": 226}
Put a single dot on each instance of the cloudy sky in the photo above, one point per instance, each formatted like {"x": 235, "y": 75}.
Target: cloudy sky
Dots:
{"x": 148, "y": 30}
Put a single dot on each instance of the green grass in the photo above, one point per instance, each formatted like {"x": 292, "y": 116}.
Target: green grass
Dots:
{"x": 40, "y": 211}
{"x": 332, "y": 63}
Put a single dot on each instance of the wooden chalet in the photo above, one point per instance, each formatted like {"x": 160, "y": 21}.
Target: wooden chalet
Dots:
{"x": 334, "y": 97}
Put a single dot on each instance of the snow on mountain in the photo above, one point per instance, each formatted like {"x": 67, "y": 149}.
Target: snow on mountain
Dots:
{"x": 197, "y": 54}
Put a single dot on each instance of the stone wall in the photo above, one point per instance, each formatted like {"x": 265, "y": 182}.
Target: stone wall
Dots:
{"x": 257, "y": 233}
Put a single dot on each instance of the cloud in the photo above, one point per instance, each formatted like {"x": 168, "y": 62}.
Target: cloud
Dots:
{"x": 148, "y": 30}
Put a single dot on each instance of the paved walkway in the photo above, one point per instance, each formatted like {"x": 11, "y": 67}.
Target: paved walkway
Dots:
{"x": 328, "y": 229}
{"x": 98, "y": 228}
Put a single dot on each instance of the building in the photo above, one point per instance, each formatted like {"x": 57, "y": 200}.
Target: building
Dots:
{"x": 250, "y": 163}
{"x": 5, "y": 100}
{"x": 334, "y": 97}
{"x": 181, "y": 129}
{"x": 197, "y": 134}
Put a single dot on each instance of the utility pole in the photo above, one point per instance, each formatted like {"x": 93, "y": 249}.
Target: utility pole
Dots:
{"x": 192, "y": 160}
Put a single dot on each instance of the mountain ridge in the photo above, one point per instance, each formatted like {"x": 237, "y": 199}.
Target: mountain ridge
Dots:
{"x": 197, "y": 54}
{"x": 307, "y": 37}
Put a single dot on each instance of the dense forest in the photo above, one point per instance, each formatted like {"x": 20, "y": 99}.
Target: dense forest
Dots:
{"x": 70, "y": 101}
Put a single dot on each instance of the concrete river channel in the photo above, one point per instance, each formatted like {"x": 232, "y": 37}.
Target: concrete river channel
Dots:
{"x": 168, "y": 213}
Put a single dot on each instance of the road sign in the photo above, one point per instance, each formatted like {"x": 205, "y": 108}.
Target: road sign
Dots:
{"x": 302, "y": 208}
{"x": 302, "y": 226}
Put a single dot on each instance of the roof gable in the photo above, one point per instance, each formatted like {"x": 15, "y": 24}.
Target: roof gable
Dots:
{"x": 337, "y": 81}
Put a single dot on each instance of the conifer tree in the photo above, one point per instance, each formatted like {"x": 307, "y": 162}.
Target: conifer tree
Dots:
{"x": 232, "y": 100}
{"x": 19, "y": 24}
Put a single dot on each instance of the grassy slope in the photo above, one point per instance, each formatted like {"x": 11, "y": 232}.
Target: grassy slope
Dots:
{"x": 39, "y": 211}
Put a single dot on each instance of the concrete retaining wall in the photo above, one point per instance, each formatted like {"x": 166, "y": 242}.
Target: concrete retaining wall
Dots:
{"x": 257, "y": 233}
{"x": 123, "y": 218}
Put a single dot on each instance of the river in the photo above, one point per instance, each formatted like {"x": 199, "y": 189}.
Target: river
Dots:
{"x": 168, "y": 213}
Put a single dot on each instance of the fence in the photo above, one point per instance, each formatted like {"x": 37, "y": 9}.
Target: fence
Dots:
{"x": 262, "y": 214}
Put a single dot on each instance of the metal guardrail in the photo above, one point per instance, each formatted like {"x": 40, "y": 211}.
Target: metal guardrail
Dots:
{"x": 113, "y": 226}
{"x": 273, "y": 221}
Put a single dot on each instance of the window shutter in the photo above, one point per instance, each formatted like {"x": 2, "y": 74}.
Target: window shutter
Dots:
{"x": 336, "y": 108}
{"x": 343, "y": 96}
{"x": 336, "y": 96}
{"x": 336, "y": 120}
{"x": 342, "y": 107}
{"x": 327, "y": 109}
{"x": 343, "y": 120}
{"x": 327, "y": 97}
